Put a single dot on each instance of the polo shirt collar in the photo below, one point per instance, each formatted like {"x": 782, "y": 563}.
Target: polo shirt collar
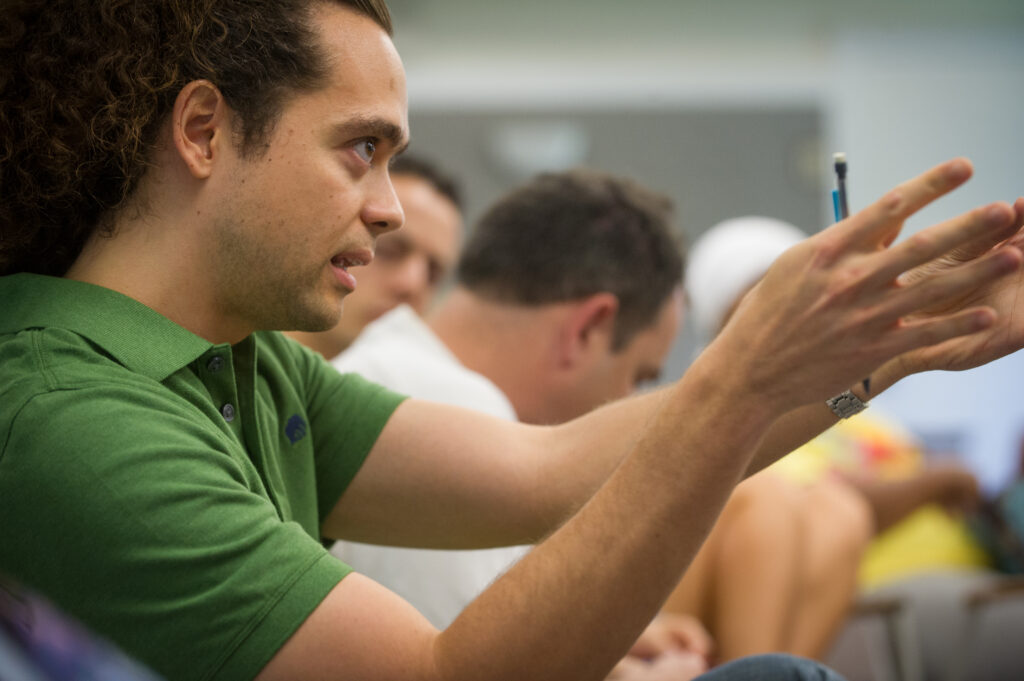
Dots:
{"x": 140, "y": 338}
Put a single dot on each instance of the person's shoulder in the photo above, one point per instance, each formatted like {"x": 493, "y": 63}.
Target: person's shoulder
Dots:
{"x": 401, "y": 352}
{"x": 53, "y": 361}
{"x": 283, "y": 359}
{"x": 58, "y": 387}
{"x": 396, "y": 344}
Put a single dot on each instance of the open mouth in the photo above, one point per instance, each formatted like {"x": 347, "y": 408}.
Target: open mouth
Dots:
{"x": 346, "y": 260}
{"x": 342, "y": 261}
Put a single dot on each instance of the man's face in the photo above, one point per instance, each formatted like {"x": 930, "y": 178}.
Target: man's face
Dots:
{"x": 410, "y": 263}
{"x": 620, "y": 373}
{"x": 291, "y": 225}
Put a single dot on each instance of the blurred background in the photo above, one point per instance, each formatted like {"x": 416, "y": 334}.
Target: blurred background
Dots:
{"x": 734, "y": 108}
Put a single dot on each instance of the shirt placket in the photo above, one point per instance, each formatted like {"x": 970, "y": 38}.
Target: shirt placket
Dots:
{"x": 218, "y": 374}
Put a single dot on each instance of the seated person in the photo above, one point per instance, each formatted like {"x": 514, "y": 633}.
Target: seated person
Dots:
{"x": 910, "y": 494}
{"x": 218, "y": 173}
{"x": 542, "y": 335}
{"x": 874, "y": 466}
{"x": 547, "y": 334}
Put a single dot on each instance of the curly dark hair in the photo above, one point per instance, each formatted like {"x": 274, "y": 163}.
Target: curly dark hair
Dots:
{"x": 86, "y": 84}
{"x": 565, "y": 236}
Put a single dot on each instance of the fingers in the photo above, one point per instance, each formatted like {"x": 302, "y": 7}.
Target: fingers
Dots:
{"x": 697, "y": 641}
{"x": 676, "y": 667}
{"x": 954, "y": 283}
{"x": 972, "y": 249}
{"x": 985, "y": 225}
{"x": 932, "y": 331}
{"x": 686, "y": 632}
{"x": 1018, "y": 238}
{"x": 879, "y": 223}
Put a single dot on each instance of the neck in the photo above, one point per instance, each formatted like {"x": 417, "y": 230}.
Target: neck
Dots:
{"x": 154, "y": 256}
{"x": 509, "y": 344}
{"x": 326, "y": 343}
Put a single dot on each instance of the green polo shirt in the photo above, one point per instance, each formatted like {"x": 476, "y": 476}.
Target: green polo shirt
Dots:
{"x": 166, "y": 491}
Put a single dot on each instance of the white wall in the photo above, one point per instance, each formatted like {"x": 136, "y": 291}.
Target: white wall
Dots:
{"x": 903, "y": 85}
{"x": 910, "y": 99}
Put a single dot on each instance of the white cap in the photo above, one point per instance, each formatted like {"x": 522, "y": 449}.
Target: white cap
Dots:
{"x": 727, "y": 260}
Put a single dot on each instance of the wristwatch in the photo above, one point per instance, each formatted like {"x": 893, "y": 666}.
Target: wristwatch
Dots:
{"x": 846, "y": 404}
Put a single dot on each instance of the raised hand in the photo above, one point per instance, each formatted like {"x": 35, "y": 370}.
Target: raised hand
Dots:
{"x": 840, "y": 304}
{"x": 1003, "y": 295}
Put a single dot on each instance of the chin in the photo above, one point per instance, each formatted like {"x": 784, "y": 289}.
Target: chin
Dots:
{"x": 319, "y": 318}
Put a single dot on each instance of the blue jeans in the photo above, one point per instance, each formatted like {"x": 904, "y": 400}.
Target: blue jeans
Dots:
{"x": 773, "y": 667}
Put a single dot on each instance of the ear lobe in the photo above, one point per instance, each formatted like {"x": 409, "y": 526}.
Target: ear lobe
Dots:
{"x": 589, "y": 329}
{"x": 199, "y": 124}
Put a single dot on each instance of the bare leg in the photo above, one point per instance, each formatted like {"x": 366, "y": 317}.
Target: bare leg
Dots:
{"x": 837, "y": 528}
{"x": 743, "y": 583}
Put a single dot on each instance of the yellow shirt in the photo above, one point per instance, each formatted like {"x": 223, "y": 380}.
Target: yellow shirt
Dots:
{"x": 869, "y": 445}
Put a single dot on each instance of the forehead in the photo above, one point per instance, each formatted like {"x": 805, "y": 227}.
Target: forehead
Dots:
{"x": 366, "y": 80}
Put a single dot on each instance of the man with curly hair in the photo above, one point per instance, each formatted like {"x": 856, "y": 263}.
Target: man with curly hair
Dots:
{"x": 182, "y": 177}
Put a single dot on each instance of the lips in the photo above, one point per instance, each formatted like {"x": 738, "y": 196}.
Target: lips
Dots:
{"x": 354, "y": 258}
{"x": 345, "y": 261}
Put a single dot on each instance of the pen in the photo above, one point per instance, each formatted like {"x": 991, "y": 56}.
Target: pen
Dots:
{"x": 839, "y": 204}
{"x": 842, "y": 211}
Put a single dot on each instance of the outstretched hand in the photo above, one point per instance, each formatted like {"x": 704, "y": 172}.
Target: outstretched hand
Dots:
{"x": 672, "y": 648}
{"x": 841, "y": 303}
{"x": 1003, "y": 295}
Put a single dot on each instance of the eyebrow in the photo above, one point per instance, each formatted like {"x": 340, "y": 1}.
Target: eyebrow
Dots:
{"x": 373, "y": 126}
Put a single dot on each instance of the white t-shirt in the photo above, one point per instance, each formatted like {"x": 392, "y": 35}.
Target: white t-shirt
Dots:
{"x": 400, "y": 352}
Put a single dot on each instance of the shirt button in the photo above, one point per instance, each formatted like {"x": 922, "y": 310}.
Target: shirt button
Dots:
{"x": 228, "y": 412}
{"x": 215, "y": 364}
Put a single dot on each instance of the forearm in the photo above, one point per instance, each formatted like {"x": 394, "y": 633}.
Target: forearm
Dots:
{"x": 587, "y": 450}
{"x": 629, "y": 543}
{"x": 807, "y": 422}
{"x": 580, "y": 455}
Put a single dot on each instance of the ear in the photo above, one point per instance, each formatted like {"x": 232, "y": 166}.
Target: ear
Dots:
{"x": 588, "y": 329}
{"x": 200, "y": 126}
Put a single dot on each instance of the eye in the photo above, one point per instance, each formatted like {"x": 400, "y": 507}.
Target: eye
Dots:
{"x": 365, "y": 149}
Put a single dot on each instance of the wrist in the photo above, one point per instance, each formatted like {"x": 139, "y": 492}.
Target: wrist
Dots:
{"x": 887, "y": 375}
{"x": 718, "y": 373}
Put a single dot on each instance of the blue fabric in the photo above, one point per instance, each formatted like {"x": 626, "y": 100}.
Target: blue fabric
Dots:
{"x": 773, "y": 667}
{"x": 40, "y": 643}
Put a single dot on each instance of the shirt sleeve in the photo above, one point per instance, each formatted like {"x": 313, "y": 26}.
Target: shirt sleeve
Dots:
{"x": 347, "y": 414}
{"x": 148, "y": 527}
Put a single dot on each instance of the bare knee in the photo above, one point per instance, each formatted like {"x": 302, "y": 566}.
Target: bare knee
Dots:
{"x": 844, "y": 517}
{"x": 765, "y": 492}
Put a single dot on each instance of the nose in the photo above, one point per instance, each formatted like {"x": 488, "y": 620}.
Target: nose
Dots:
{"x": 382, "y": 212}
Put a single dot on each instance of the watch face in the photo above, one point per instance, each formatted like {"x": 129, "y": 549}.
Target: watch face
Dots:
{"x": 846, "y": 405}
